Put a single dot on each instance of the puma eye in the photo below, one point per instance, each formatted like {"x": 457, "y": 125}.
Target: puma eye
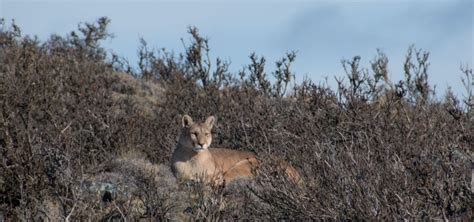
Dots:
{"x": 207, "y": 134}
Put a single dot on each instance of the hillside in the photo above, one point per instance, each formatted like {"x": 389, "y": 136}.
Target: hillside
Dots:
{"x": 84, "y": 136}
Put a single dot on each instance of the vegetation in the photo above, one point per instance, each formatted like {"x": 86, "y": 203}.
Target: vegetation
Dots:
{"x": 83, "y": 135}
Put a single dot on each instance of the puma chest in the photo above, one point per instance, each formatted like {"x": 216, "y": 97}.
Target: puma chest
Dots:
{"x": 193, "y": 168}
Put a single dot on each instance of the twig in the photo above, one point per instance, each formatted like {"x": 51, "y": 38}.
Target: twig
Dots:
{"x": 67, "y": 127}
{"x": 121, "y": 213}
{"x": 70, "y": 213}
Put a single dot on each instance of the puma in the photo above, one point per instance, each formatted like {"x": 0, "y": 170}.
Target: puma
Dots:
{"x": 193, "y": 159}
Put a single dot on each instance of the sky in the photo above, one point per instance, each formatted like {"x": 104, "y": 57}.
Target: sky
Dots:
{"x": 322, "y": 32}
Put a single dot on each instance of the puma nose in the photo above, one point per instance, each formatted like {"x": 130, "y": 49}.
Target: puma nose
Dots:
{"x": 200, "y": 144}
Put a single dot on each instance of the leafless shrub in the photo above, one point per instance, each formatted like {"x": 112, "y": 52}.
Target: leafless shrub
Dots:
{"x": 468, "y": 82}
{"x": 371, "y": 149}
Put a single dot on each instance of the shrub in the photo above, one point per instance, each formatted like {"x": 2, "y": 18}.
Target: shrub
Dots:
{"x": 370, "y": 149}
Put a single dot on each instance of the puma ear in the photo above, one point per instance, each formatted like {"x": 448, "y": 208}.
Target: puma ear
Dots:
{"x": 210, "y": 121}
{"x": 187, "y": 121}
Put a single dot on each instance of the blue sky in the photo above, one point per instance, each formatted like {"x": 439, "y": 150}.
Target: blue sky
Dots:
{"x": 322, "y": 32}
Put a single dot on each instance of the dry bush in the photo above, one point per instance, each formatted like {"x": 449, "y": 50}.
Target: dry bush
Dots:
{"x": 371, "y": 149}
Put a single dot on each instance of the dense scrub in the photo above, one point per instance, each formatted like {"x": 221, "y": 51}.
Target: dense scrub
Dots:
{"x": 73, "y": 115}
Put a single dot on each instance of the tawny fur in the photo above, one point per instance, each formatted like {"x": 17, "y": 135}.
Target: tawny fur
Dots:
{"x": 194, "y": 160}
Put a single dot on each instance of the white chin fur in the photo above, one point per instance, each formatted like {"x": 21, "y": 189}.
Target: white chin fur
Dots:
{"x": 199, "y": 148}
